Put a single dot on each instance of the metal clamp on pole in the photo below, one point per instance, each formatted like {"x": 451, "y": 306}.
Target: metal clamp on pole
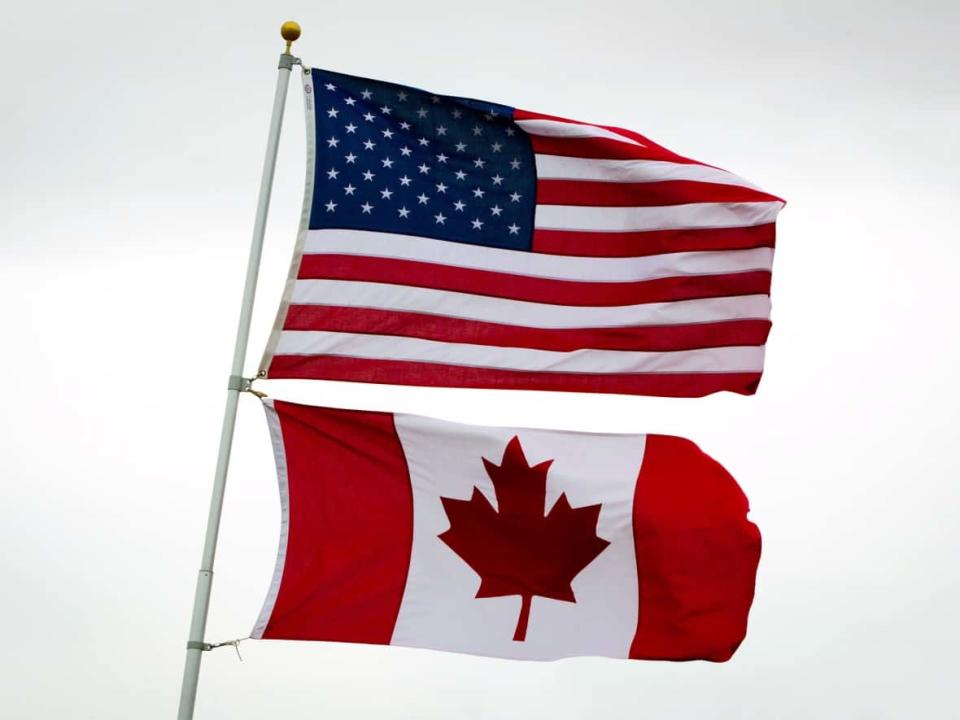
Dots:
{"x": 287, "y": 62}
{"x": 242, "y": 384}
{"x": 207, "y": 647}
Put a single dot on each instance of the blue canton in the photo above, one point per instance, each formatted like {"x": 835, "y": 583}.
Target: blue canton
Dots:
{"x": 395, "y": 159}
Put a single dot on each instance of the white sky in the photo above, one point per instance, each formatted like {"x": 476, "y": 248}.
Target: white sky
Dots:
{"x": 132, "y": 141}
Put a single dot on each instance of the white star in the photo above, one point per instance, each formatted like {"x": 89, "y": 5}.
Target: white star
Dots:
{"x": 477, "y": 129}
{"x": 405, "y": 151}
{"x": 368, "y": 176}
{"x": 497, "y": 179}
{"x": 331, "y": 206}
{"x": 330, "y": 86}
{"x": 515, "y": 197}
{"x": 350, "y": 101}
{"x": 496, "y": 210}
{"x": 457, "y": 113}
{"x": 332, "y": 173}
{"x": 488, "y": 116}
{"x": 440, "y": 218}
{"x": 441, "y": 130}
{"x": 477, "y": 192}
{"x": 478, "y": 163}
{"x": 441, "y": 158}
{"x": 351, "y": 128}
{"x": 423, "y": 141}
{"x": 496, "y": 147}
{"x": 349, "y": 189}
{"x": 441, "y": 188}
{"x": 385, "y": 110}
{"x": 423, "y": 199}
{"x": 421, "y": 113}
{"x": 434, "y": 99}
{"x": 459, "y": 205}
{"x": 403, "y": 212}
{"x": 368, "y": 117}
{"x": 332, "y": 112}
{"x": 404, "y": 181}
{"x": 461, "y": 147}
{"x": 510, "y": 131}
{"x": 423, "y": 168}
{"x": 461, "y": 174}
{"x": 368, "y": 144}
{"x": 514, "y": 229}
{"x": 387, "y": 162}
{"x": 350, "y": 158}
{"x": 404, "y": 125}
{"x": 477, "y": 223}
{"x": 386, "y": 194}
{"x": 332, "y": 142}
{"x": 515, "y": 164}
{"x": 366, "y": 94}
{"x": 366, "y": 207}
{"x": 402, "y": 96}
{"x": 388, "y": 133}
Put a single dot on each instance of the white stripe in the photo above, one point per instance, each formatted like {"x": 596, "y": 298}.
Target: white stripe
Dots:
{"x": 521, "y": 313}
{"x": 554, "y": 128}
{"x": 665, "y": 217}
{"x": 557, "y": 267}
{"x": 280, "y": 457}
{"x": 631, "y": 171}
{"x": 374, "y": 347}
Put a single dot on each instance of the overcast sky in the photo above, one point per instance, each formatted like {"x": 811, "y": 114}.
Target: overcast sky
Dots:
{"x": 132, "y": 139}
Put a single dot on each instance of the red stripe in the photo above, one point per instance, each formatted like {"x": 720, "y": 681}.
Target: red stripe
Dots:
{"x": 654, "y": 338}
{"x": 672, "y": 192}
{"x": 531, "y": 289}
{"x": 602, "y": 149}
{"x": 351, "y": 526}
{"x": 649, "y": 151}
{"x": 696, "y": 552}
{"x": 651, "y": 242}
{"x": 327, "y": 367}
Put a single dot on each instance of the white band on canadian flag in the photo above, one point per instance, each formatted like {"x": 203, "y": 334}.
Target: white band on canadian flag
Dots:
{"x": 439, "y": 609}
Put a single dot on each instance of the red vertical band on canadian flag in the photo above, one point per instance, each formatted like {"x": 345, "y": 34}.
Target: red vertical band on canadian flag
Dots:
{"x": 347, "y": 526}
{"x": 697, "y": 555}
{"x": 507, "y": 542}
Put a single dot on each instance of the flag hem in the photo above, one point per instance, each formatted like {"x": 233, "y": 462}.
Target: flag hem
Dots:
{"x": 309, "y": 106}
{"x": 280, "y": 457}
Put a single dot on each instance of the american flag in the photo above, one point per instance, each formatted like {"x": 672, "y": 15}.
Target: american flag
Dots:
{"x": 456, "y": 242}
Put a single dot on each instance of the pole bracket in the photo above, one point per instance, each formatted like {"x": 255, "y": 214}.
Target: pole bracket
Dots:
{"x": 207, "y": 647}
{"x": 239, "y": 383}
{"x": 287, "y": 61}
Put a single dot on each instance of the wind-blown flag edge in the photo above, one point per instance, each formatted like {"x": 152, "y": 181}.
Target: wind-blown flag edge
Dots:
{"x": 685, "y": 314}
{"x": 349, "y": 576}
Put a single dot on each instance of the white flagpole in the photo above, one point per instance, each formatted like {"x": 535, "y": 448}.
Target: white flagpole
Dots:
{"x": 290, "y": 31}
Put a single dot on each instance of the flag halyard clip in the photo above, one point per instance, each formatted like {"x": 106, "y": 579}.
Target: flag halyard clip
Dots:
{"x": 206, "y": 647}
{"x": 242, "y": 384}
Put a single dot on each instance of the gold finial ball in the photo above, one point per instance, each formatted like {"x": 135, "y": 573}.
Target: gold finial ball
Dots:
{"x": 290, "y": 31}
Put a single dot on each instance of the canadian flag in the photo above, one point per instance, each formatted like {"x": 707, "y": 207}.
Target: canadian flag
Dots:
{"x": 508, "y": 542}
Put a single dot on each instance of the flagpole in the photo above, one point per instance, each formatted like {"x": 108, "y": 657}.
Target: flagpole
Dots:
{"x": 196, "y": 645}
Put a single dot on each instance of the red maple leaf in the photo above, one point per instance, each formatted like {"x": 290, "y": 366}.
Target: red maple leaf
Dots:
{"x": 515, "y": 549}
